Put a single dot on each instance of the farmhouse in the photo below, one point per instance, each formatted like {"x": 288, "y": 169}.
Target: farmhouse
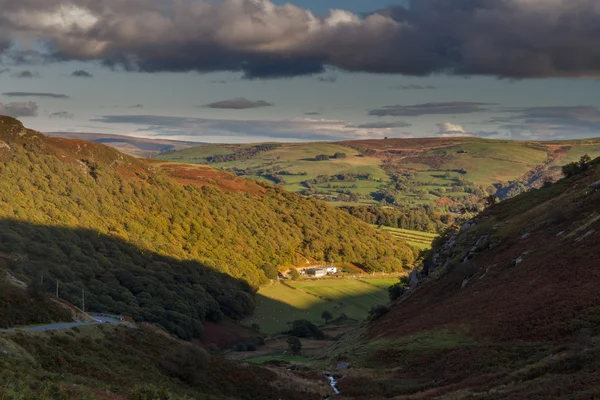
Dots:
{"x": 317, "y": 272}
{"x": 332, "y": 270}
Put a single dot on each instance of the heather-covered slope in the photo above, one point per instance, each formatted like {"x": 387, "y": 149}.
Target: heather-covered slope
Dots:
{"x": 159, "y": 245}
{"x": 115, "y": 362}
{"x": 510, "y": 308}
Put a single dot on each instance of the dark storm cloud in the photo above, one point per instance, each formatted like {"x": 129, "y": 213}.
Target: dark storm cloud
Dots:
{"x": 503, "y": 38}
{"x": 17, "y": 110}
{"x": 239, "y": 103}
{"x": 454, "y": 107}
{"x": 4, "y": 70}
{"x": 30, "y": 94}
{"x": 80, "y": 73}
{"x": 26, "y": 74}
{"x": 544, "y": 122}
{"x": 62, "y": 115}
{"x": 384, "y": 125}
{"x": 414, "y": 87}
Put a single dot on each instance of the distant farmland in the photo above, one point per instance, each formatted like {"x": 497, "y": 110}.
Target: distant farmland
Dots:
{"x": 420, "y": 240}
{"x": 411, "y": 172}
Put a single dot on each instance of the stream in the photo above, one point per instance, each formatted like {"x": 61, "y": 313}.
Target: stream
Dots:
{"x": 333, "y": 384}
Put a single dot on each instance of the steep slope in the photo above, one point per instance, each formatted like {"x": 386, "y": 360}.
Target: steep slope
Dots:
{"x": 510, "y": 308}
{"x": 175, "y": 251}
{"x": 115, "y": 362}
{"x": 21, "y": 306}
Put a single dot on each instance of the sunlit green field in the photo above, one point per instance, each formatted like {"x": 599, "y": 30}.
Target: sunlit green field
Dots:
{"x": 420, "y": 240}
{"x": 432, "y": 170}
{"x": 307, "y": 299}
{"x": 381, "y": 282}
{"x": 298, "y": 159}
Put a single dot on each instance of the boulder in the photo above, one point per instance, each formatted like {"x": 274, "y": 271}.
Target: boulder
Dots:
{"x": 595, "y": 185}
{"x": 466, "y": 225}
{"x": 343, "y": 365}
{"x": 413, "y": 279}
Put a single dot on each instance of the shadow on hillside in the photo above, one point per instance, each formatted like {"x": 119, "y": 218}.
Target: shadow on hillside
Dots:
{"x": 273, "y": 315}
{"x": 120, "y": 278}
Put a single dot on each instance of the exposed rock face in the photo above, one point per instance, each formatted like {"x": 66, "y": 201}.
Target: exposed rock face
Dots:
{"x": 4, "y": 146}
{"x": 595, "y": 185}
{"x": 413, "y": 279}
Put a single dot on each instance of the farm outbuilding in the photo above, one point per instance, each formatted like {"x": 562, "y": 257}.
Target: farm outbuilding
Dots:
{"x": 317, "y": 272}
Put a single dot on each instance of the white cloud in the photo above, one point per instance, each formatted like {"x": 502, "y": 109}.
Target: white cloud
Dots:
{"x": 448, "y": 129}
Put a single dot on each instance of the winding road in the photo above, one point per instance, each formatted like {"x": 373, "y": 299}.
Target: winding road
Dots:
{"x": 99, "y": 319}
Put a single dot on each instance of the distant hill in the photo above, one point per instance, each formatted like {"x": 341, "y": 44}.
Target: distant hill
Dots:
{"x": 449, "y": 176}
{"x": 508, "y": 308}
{"x": 168, "y": 244}
{"x": 133, "y": 146}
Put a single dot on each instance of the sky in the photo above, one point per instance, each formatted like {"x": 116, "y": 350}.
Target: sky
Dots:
{"x": 234, "y": 71}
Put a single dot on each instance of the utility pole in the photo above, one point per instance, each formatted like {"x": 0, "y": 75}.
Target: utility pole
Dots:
{"x": 57, "y": 288}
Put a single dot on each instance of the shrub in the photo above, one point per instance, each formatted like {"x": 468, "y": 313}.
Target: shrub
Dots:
{"x": 396, "y": 291}
{"x": 378, "y": 311}
{"x": 295, "y": 345}
{"x": 148, "y": 393}
{"x": 306, "y": 329}
{"x": 251, "y": 346}
{"x": 241, "y": 347}
{"x": 327, "y": 316}
{"x": 576, "y": 168}
{"x": 294, "y": 274}
{"x": 185, "y": 362}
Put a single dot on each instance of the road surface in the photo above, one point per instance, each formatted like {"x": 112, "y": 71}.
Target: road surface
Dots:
{"x": 52, "y": 327}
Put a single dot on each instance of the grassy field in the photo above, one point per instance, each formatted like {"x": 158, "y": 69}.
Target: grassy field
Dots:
{"x": 420, "y": 240}
{"x": 298, "y": 160}
{"x": 434, "y": 166}
{"x": 381, "y": 282}
{"x": 307, "y": 299}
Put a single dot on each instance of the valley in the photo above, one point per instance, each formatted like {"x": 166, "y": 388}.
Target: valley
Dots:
{"x": 299, "y": 200}
{"x": 216, "y": 309}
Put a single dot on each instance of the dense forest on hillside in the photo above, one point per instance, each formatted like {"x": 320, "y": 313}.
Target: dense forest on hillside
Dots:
{"x": 147, "y": 245}
{"x": 26, "y": 307}
{"x": 418, "y": 219}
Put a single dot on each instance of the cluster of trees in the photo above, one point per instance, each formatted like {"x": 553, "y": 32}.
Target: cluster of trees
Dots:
{"x": 149, "y": 247}
{"x": 325, "y": 157}
{"x": 576, "y": 168}
{"x": 338, "y": 178}
{"x": 26, "y": 307}
{"x": 305, "y": 329}
{"x": 242, "y": 153}
{"x": 418, "y": 219}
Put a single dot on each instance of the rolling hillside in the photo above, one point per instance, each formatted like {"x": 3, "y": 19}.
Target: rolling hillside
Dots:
{"x": 175, "y": 246}
{"x": 507, "y": 309}
{"x": 445, "y": 173}
{"x": 133, "y": 146}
